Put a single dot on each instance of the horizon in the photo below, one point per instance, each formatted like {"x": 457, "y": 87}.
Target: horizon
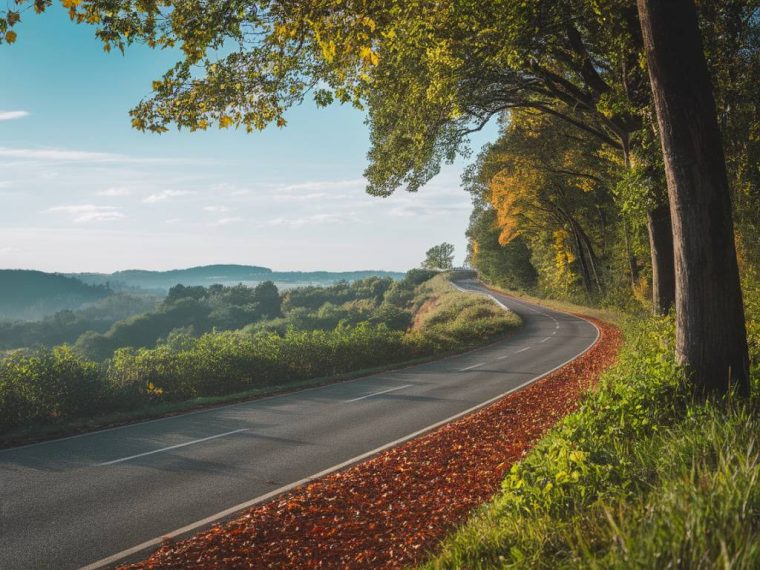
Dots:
{"x": 85, "y": 192}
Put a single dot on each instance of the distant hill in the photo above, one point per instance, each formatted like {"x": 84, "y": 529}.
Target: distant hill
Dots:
{"x": 27, "y": 294}
{"x": 225, "y": 274}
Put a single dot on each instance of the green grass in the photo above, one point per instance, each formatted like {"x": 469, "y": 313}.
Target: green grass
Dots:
{"x": 641, "y": 476}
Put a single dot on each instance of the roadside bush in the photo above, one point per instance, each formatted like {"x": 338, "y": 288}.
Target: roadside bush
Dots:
{"x": 46, "y": 386}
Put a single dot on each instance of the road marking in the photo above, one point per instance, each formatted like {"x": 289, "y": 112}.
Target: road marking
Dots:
{"x": 471, "y": 367}
{"x": 123, "y": 459}
{"x": 381, "y": 392}
{"x": 502, "y": 357}
{"x": 109, "y": 561}
{"x": 523, "y": 349}
{"x": 545, "y": 339}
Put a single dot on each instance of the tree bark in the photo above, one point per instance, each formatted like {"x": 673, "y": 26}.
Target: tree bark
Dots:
{"x": 663, "y": 268}
{"x": 711, "y": 339}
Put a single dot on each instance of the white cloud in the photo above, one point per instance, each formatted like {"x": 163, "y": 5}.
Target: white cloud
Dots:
{"x": 313, "y": 220}
{"x": 89, "y": 212}
{"x": 165, "y": 195}
{"x": 318, "y": 186}
{"x": 79, "y": 156}
{"x": 114, "y": 192}
{"x": 173, "y": 221}
{"x": 227, "y": 221}
{"x": 219, "y": 209}
{"x": 10, "y": 115}
{"x": 54, "y": 154}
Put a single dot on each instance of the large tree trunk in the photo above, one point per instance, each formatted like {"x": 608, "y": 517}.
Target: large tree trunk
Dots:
{"x": 711, "y": 339}
{"x": 663, "y": 269}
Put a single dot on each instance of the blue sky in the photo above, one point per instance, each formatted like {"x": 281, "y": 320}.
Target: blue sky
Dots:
{"x": 82, "y": 191}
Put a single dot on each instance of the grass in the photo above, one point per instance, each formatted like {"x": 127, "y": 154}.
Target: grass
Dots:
{"x": 641, "y": 476}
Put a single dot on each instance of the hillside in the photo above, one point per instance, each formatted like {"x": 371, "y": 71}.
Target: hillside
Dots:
{"x": 27, "y": 294}
{"x": 224, "y": 274}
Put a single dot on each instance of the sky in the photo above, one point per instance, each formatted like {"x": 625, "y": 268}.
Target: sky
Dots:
{"x": 80, "y": 190}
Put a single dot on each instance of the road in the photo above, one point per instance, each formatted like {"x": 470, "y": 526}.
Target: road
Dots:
{"x": 95, "y": 498}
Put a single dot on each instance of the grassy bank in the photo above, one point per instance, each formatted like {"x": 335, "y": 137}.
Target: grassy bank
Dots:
{"x": 642, "y": 476}
{"x": 51, "y": 392}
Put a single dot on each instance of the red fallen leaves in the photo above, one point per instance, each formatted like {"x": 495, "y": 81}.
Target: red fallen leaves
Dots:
{"x": 391, "y": 510}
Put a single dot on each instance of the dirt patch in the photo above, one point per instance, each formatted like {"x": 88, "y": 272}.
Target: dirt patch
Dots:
{"x": 425, "y": 309}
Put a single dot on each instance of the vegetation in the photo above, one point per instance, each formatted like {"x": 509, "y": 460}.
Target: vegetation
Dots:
{"x": 440, "y": 257}
{"x": 369, "y": 328}
{"x": 32, "y": 294}
{"x": 642, "y": 476}
{"x": 67, "y": 326}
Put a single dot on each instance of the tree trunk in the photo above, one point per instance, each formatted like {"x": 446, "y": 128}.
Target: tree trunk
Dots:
{"x": 633, "y": 265}
{"x": 663, "y": 269}
{"x": 711, "y": 339}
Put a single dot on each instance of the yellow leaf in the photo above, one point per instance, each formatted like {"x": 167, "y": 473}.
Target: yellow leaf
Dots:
{"x": 369, "y": 56}
{"x": 71, "y": 3}
{"x": 10, "y": 36}
{"x": 225, "y": 121}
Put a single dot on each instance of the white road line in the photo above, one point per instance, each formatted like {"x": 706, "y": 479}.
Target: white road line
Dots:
{"x": 471, "y": 367}
{"x": 523, "y": 349}
{"x": 123, "y": 459}
{"x": 381, "y": 392}
{"x": 232, "y": 510}
{"x": 545, "y": 339}
{"x": 502, "y": 357}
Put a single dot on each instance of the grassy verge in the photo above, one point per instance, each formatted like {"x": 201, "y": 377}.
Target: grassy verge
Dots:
{"x": 603, "y": 314}
{"x": 642, "y": 476}
{"x": 54, "y": 385}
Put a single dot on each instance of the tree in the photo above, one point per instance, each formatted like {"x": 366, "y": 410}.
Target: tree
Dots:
{"x": 266, "y": 295}
{"x": 711, "y": 340}
{"x": 439, "y": 256}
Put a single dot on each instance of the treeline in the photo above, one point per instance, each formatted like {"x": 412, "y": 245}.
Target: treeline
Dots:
{"x": 67, "y": 326}
{"x": 43, "y": 386}
{"x": 193, "y": 311}
{"x": 26, "y": 294}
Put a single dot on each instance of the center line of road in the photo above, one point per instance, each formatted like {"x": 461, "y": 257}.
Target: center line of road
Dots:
{"x": 502, "y": 357}
{"x": 545, "y": 339}
{"x": 471, "y": 367}
{"x": 523, "y": 349}
{"x": 378, "y": 393}
{"x": 169, "y": 448}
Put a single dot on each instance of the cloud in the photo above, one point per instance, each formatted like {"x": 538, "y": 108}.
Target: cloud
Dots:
{"x": 318, "y": 186}
{"x": 313, "y": 220}
{"x": 219, "y": 209}
{"x": 11, "y": 115}
{"x": 80, "y": 156}
{"x": 165, "y": 195}
{"x": 53, "y": 154}
{"x": 173, "y": 221}
{"x": 227, "y": 221}
{"x": 114, "y": 192}
{"x": 89, "y": 212}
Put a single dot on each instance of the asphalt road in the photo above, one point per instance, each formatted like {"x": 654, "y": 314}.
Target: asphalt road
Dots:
{"x": 79, "y": 501}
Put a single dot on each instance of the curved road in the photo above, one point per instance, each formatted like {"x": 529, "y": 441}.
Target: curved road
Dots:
{"x": 97, "y": 498}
